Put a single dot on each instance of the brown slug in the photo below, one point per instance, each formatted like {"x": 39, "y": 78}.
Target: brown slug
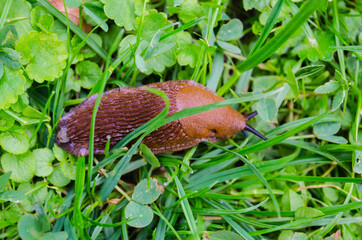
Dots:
{"x": 124, "y": 109}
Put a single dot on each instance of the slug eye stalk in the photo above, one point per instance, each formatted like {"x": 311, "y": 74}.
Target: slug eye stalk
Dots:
{"x": 250, "y": 129}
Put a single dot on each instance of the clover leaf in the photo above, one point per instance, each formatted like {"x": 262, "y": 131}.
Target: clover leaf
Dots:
{"x": 40, "y": 19}
{"x": 43, "y": 158}
{"x": 43, "y": 54}
{"x": 22, "y": 166}
{"x": 57, "y": 178}
{"x": 189, "y": 10}
{"x": 6, "y": 121}
{"x": 317, "y": 50}
{"x": 233, "y": 30}
{"x": 153, "y": 21}
{"x": 11, "y": 86}
{"x": 257, "y": 4}
{"x": 122, "y": 12}
{"x": 15, "y": 141}
{"x": 89, "y": 73}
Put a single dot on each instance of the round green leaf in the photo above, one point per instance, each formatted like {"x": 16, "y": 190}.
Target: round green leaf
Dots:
{"x": 68, "y": 169}
{"x": 223, "y": 235}
{"x": 29, "y": 228}
{"x": 89, "y": 73}
{"x": 57, "y": 178}
{"x": 229, "y": 47}
{"x": 44, "y": 158}
{"x": 11, "y": 86}
{"x": 328, "y": 87}
{"x": 267, "y": 109}
{"x": 307, "y": 213}
{"x": 122, "y": 12}
{"x": 142, "y": 215}
{"x": 6, "y": 121}
{"x": 43, "y": 54}
{"x": 12, "y": 196}
{"x": 54, "y": 236}
{"x": 146, "y": 192}
{"x": 326, "y": 128}
{"x": 59, "y": 153}
{"x": 22, "y": 166}
{"x": 15, "y": 141}
{"x": 334, "y": 139}
{"x": 233, "y": 30}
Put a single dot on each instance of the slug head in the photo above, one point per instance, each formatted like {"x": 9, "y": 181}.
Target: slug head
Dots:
{"x": 213, "y": 125}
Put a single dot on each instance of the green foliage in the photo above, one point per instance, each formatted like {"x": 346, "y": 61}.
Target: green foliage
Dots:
{"x": 43, "y": 54}
{"x": 22, "y": 166}
{"x": 297, "y": 63}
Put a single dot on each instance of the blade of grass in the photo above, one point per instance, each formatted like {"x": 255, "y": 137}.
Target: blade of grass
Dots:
{"x": 102, "y": 84}
{"x": 90, "y": 42}
{"x": 5, "y": 12}
{"x": 272, "y": 19}
{"x": 78, "y": 192}
{"x": 255, "y": 171}
{"x": 275, "y": 43}
{"x": 186, "y": 209}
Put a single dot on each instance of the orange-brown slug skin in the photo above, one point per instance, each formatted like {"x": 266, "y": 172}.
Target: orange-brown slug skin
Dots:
{"x": 124, "y": 109}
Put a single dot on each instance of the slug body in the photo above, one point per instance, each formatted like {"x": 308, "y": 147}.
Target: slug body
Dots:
{"x": 124, "y": 109}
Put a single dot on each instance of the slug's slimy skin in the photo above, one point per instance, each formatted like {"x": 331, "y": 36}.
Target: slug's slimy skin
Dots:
{"x": 124, "y": 109}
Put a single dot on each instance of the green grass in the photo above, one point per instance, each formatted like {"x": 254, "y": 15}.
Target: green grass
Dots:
{"x": 297, "y": 63}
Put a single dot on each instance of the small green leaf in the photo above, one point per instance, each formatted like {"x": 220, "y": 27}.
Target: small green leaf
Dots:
{"x": 54, "y": 236}
{"x": 223, "y": 235}
{"x": 43, "y": 158}
{"x": 4, "y": 180}
{"x": 14, "y": 141}
{"x": 59, "y": 153}
{"x": 146, "y": 192}
{"x": 229, "y": 47}
{"x": 330, "y": 193}
{"x": 122, "y": 12}
{"x": 40, "y": 19}
{"x": 57, "y": 178}
{"x": 340, "y": 78}
{"x": 11, "y": 86}
{"x": 334, "y": 139}
{"x": 142, "y": 215}
{"x": 358, "y": 166}
{"x": 267, "y": 109}
{"x": 189, "y": 54}
{"x": 22, "y": 166}
{"x": 293, "y": 83}
{"x": 307, "y": 212}
{"x": 43, "y": 54}
{"x": 89, "y": 73}
{"x": 257, "y": 4}
{"x": 6, "y": 121}
{"x": 149, "y": 156}
{"x": 338, "y": 100}
{"x": 299, "y": 236}
{"x": 8, "y": 36}
{"x": 308, "y": 71}
{"x": 29, "y": 228}
{"x": 328, "y": 87}
{"x": 12, "y": 196}
{"x": 189, "y": 10}
{"x": 10, "y": 58}
{"x": 326, "y": 128}
{"x": 233, "y": 30}
{"x": 140, "y": 63}
{"x": 68, "y": 169}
